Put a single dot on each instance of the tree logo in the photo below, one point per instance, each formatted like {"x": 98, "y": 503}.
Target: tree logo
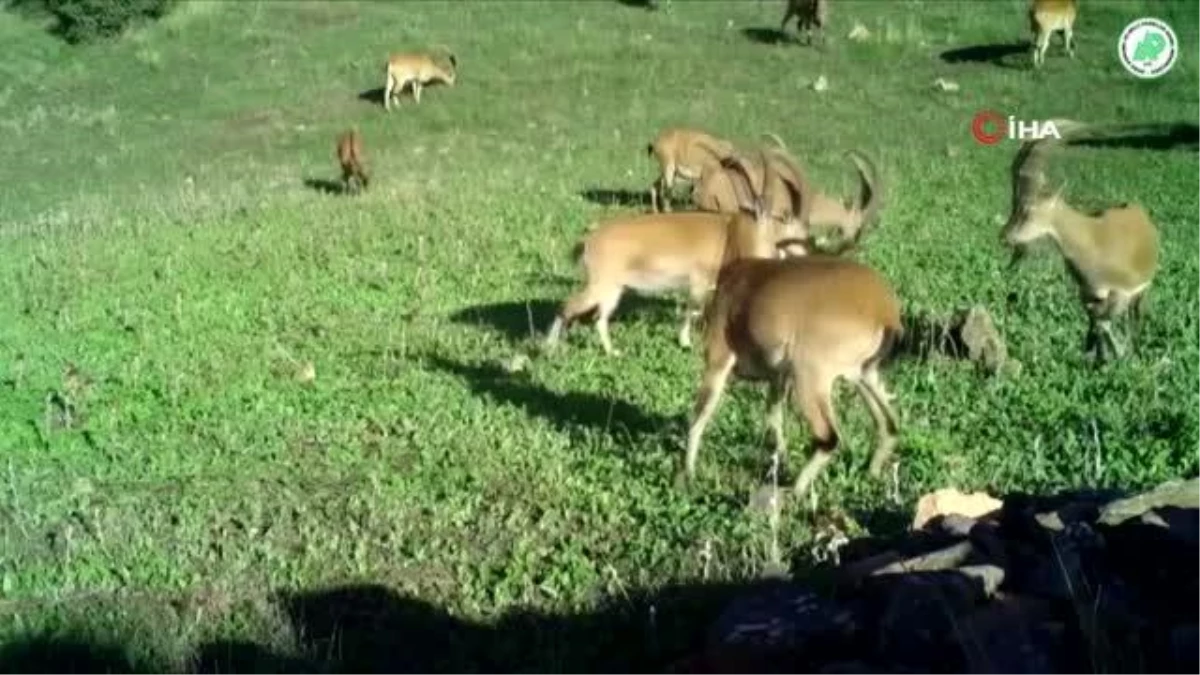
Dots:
{"x": 1148, "y": 48}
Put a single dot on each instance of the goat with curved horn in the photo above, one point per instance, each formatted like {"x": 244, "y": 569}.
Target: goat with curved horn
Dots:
{"x": 1112, "y": 255}
{"x": 654, "y": 253}
{"x": 801, "y": 324}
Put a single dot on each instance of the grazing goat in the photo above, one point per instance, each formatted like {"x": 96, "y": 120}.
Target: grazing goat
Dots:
{"x": 800, "y": 324}
{"x": 811, "y": 17}
{"x": 682, "y": 153}
{"x": 1111, "y": 254}
{"x": 417, "y": 69}
{"x": 656, "y": 252}
{"x": 350, "y": 157}
{"x": 1047, "y": 17}
{"x": 717, "y": 190}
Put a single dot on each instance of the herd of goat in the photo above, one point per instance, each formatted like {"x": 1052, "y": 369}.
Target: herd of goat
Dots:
{"x": 783, "y": 307}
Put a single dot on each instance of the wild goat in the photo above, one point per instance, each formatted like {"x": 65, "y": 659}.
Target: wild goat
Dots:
{"x": 350, "y": 157}
{"x": 1047, "y": 17}
{"x": 811, "y": 17}
{"x": 682, "y": 153}
{"x": 652, "y": 253}
{"x": 800, "y": 324}
{"x": 718, "y": 191}
{"x": 1111, "y": 254}
{"x": 417, "y": 69}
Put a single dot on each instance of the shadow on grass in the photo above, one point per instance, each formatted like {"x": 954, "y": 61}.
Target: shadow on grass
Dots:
{"x": 619, "y": 197}
{"x": 375, "y": 96}
{"x": 567, "y": 411}
{"x": 1003, "y": 54}
{"x": 324, "y": 185}
{"x": 68, "y": 654}
{"x": 372, "y": 96}
{"x": 370, "y": 628}
{"x": 529, "y": 319}
{"x": 1165, "y": 137}
{"x": 641, "y": 4}
{"x": 767, "y": 36}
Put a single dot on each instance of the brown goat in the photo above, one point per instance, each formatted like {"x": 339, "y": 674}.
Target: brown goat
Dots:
{"x": 719, "y": 190}
{"x": 801, "y": 324}
{"x": 1047, "y": 17}
{"x": 656, "y": 252}
{"x": 417, "y": 69}
{"x": 350, "y": 157}
{"x": 1111, "y": 254}
{"x": 682, "y": 154}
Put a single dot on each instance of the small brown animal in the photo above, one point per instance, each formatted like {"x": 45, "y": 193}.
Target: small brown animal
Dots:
{"x": 801, "y": 324}
{"x": 416, "y": 69}
{"x": 811, "y": 17}
{"x": 1111, "y": 254}
{"x": 657, "y": 252}
{"x": 1047, "y": 17}
{"x": 350, "y": 157}
{"x": 682, "y": 154}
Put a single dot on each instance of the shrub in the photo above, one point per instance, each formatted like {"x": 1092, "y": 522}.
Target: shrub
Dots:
{"x": 81, "y": 21}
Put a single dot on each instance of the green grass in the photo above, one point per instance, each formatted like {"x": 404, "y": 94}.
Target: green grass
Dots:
{"x": 157, "y": 233}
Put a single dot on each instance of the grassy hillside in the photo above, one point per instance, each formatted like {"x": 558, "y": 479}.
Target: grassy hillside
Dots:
{"x": 168, "y": 269}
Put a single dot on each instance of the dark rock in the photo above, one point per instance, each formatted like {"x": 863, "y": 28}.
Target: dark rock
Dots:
{"x": 1185, "y": 649}
{"x": 953, "y": 524}
{"x": 1074, "y": 582}
{"x": 1179, "y": 494}
{"x": 1014, "y": 634}
{"x": 787, "y": 619}
{"x": 941, "y": 559}
{"x": 918, "y": 615}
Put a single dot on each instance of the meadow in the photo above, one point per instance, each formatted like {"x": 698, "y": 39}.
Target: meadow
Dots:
{"x": 249, "y": 423}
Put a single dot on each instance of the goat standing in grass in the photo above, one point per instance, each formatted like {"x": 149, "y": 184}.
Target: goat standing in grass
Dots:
{"x": 800, "y": 324}
{"x": 1111, "y": 254}
{"x": 350, "y": 157}
{"x": 657, "y": 252}
{"x": 1046, "y": 17}
{"x": 682, "y": 154}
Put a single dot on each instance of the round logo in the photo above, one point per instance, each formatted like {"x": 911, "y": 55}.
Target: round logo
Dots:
{"x": 1148, "y": 48}
{"x": 988, "y": 127}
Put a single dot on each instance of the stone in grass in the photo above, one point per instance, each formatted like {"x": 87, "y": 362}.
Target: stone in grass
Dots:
{"x": 949, "y": 501}
{"x": 859, "y": 33}
{"x": 820, "y": 84}
{"x": 946, "y": 84}
{"x": 982, "y": 341}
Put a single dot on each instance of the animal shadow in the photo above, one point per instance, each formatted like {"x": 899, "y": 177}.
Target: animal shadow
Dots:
{"x": 640, "y": 4}
{"x": 619, "y": 197}
{"x": 329, "y": 187}
{"x": 517, "y": 320}
{"x": 569, "y": 411}
{"x": 372, "y": 96}
{"x": 68, "y": 654}
{"x": 767, "y": 36}
{"x": 528, "y": 319}
{"x": 1003, "y": 55}
{"x": 238, "y": 656}
{"x": 1168, "y": 138}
